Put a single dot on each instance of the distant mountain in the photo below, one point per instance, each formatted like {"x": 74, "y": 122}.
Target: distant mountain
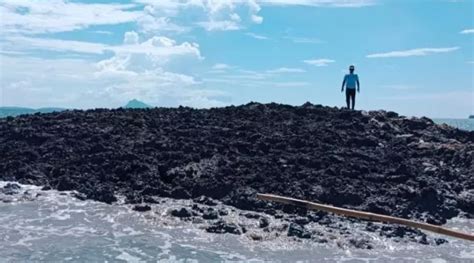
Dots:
{"x": 471, "y": 116}
{"x": 15, "y": 111}
{"x": 136, "y": 104}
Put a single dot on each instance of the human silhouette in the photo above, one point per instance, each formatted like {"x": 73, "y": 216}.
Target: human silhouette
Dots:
{"x": 350, "y": 82}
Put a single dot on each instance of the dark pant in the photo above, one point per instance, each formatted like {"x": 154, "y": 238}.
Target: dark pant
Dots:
{"x": 350, "y": 95}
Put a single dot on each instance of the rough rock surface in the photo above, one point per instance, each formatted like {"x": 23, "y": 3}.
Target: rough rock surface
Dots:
{"x": 376, "y": 161}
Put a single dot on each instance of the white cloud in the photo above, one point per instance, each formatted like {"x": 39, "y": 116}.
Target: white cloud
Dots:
{"x": 211, "y": 15}
{"x": 151, "y": 23}
{"x": 467, "y": 31}
{"x": 256, "y": 36}
{"x": 256, "y": 19}
{"x": 103, "y": 32}
{"x": 38, "y": 82}
{"x": 76, "y": 83}
{"x": 221, "y": 66}
{"x": 223, "y": 15}
{"x": 223, "y": 25}
{"x": 130, "y": 38}
{"x": 157, "y": 46}
{"x": 413, "y": 52}
{"x": 137, "y": 69}
{"x": 34, "y": 17}
{"x": 305, "y": 40}
{"x": 322, "y": 3}
{"x": 19, "y": 43}
{"x": 286, "y": 70}
{"x": 322, "y": 62}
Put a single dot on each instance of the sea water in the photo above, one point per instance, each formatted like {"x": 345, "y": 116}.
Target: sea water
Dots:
{"x": 464, "y": 124}
{"x": 49, "y": 226}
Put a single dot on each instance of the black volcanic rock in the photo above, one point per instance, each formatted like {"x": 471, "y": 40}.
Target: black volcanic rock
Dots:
{"x": 375, "y": 161}
{"x": 183, "y": 212}
{"x": 222, "y": 227}
{"x": 10, "y": 189}
{"x": 142, "y": 208}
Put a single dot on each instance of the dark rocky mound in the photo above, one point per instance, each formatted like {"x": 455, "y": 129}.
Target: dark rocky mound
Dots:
{"x": 374, "y": 161}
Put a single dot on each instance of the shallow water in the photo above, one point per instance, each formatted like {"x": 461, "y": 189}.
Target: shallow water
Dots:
{"x": 48, "y": 226}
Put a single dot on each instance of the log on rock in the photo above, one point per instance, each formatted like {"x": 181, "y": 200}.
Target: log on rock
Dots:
{"x": 366, "y": 215}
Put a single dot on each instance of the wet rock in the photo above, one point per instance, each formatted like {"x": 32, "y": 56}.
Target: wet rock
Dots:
{"x": 222, "y": 227}
{"x": 223, "y": 212}
{"x": 466, "y": 201}
{"x": 255, "y": 237}
{"x": 11, "y": 189}
{"x": 181, "y": 213}
{"x": 371, "y": 227}
{"x": 251, "y": 215}
{"x": 206, "y": 201}
{"x": 360, "y": 243}
{"x": 80, "y": 196}
{"x": 103, "y": 194}
{"x": 295, "y": 230}
{"x": 263, "y": 222}
{"x": 210, "y": 214}
{"x": 440, "y": 241}
{"x": 142, "y": 208}
{"x": 301, "y": 220}
{"x": 197, "y": 208}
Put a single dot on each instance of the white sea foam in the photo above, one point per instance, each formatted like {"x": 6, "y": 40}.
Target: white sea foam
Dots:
{"x": 51, "y": 226}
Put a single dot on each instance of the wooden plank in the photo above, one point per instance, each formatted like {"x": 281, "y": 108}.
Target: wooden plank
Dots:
{"x": 366, "y": 215}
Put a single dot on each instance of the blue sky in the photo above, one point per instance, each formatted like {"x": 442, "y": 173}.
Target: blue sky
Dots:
{"x": 412, "y": 56}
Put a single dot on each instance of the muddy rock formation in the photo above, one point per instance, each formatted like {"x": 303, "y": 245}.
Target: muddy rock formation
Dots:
{"x": 376, "y": 161}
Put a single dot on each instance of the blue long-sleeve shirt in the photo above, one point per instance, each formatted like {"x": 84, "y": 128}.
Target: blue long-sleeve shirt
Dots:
{"x": 351, "y": 81}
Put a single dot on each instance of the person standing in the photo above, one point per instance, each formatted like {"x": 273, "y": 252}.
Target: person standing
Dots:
{"x": 351, "y": 82}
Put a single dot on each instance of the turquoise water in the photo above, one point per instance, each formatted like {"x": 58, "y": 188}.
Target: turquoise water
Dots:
{"x": 465, "y": 124}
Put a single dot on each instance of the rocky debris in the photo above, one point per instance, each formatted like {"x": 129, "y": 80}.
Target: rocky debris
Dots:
{"x": 206, "y": 201}
{"x": 183, "y": 212}
{"x": 11, "y": 189}
{"x": 210, "y": 214}
{"x": 263, "y": 222}
{"x": 360, "y": 243}
{"x": 142, "y": 208}
{"x": 372, "y": 161}
{"x": 466, "y": 201}
{"x": 298, "y": 231}
{"x": 221, "y": 227}
{"x": 79, "y": 196}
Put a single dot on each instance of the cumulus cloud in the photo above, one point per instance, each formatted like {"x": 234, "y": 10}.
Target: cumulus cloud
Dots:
{"x": 35, "y": 17}
{"x": 413, "y": 52}
{"x": 130, "y": 38}
{"x": 321, "y": 62}
{"x": 212, "y": 15}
